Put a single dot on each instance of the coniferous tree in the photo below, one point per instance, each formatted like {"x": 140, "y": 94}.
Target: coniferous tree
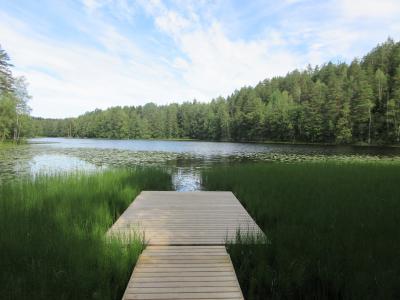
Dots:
{"x": 6, "y": 78}
{"x": 394, "y": 107}
{"x": 13, "y": 102}
{"x": 361, "y": 103}
{"x": 333, "y": 103}
{"x": 280, "y": 113}
{"x": 313, "y": 124}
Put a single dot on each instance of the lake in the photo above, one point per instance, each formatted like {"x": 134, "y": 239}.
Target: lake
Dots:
{"x": 184, "y": 159}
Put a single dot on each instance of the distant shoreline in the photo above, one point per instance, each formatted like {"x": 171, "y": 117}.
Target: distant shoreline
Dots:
{"x": 299, "y": 143}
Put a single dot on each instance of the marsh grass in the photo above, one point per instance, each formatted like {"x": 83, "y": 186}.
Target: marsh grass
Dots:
{"x": 333, "y": 229}
{"x": 52, "y": 234}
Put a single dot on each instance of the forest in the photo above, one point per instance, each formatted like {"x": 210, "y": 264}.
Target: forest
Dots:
{"x": 14, "y": 110}
{"x": 338, "y": 103}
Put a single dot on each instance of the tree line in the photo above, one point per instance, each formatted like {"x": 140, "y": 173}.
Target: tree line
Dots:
{"x": 14, "y": 110}
{"x": 333, "y": 103}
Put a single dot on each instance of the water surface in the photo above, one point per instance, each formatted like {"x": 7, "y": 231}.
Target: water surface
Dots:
{"x": 184, "y": 159}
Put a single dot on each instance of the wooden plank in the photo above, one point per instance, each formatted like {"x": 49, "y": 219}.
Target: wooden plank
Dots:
{"x": 184, "y": 289}
{"x": 186, "y": 233}
{"x": 180, "y": 265}
{"x": 186, "y": 218}
{"x": 186, "y": 274}
{"x": 200, "y": 272}
{"x": 181, "y": 296}
{"x": 177, "y": 255}
{"x": 182, "y": 249}
{"x": 186, "y": 279}
{"x": 158, "y": 260}
{"x": 153, "y": 284}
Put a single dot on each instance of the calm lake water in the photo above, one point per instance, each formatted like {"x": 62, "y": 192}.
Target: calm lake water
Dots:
{"x": 184, "y": 159}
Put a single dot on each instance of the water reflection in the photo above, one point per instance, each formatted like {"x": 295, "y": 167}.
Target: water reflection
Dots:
{"x": 186, "y": 179}
{"x": 209, "y": 149}
{"x": 184, "y": 160}
{"x": 53, "y": 163}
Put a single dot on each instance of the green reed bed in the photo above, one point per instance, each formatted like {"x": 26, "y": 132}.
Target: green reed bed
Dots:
{"x": 333, "y": 229}
{"x": 52, "y": 234}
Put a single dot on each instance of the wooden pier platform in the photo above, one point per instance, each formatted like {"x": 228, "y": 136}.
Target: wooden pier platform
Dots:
{"x": 186, "y": 233}
{"x": 186, "y": 218}
{"x": 183, "y": 272}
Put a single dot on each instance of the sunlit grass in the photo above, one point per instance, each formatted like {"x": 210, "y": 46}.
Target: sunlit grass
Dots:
{"x": 333, "y": 229}
{"x": 52, "y": 234}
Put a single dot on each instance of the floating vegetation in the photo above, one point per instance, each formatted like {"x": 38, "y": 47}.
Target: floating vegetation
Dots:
{"x": 31, "y": 159}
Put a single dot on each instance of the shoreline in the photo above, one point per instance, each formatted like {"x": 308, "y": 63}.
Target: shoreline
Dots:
{"x": 299, "y": 143}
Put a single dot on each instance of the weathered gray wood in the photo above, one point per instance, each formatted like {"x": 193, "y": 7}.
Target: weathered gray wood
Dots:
{"x": 184, "y": 284}
{"x": 188, "y": 275}
{"x": 185, "y": 218}
{"x": 186, "y": 233}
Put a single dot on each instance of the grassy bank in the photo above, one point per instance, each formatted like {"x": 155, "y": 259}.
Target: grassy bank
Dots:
{"x": 333, "y": 229}
{"x": 52, "y": 243}
{"x": 9, "y": 145}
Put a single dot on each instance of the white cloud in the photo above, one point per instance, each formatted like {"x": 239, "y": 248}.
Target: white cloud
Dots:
{"x": 369, "y": 8}
{"x": 225, "y": 65}
{"x": 83, "y": 78}
{"x": 92, "y": 5}
{"x": 203, "y": 58}
{"x": 67, "y": 79}
{"x": 121, "y": 9}
{"x": 171, "y": 22}
{"x": 214, "y": 64}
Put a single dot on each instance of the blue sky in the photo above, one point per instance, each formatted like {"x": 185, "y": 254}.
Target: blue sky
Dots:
{"x": 84, "y": 54}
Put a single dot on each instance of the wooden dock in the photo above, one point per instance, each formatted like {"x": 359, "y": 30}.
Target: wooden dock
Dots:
{"x": 184, "y": 272}
{"x": 186, "y": 233}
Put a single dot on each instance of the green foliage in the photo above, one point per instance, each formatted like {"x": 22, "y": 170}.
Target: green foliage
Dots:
{"x": 280, "y": 113}
{"x": 361, "y": 102}
{"x": 14, "y": 110}
{"x": 6, "y": 79}
{"x": 332, "y": 103}
{"x": 332, "y": 229}
{"x": 247, "y": 115}
{"x": 393, "y": 108}
{"x": 52, "y": 242}
{"x": 343, "y": 128}
{"x": 313, "y": 123}
{"x": 7, "y": 115}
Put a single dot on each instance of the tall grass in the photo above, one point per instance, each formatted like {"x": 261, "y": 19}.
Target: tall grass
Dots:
{"x": 52, "y": 234}
{"x": 333, "y": 229}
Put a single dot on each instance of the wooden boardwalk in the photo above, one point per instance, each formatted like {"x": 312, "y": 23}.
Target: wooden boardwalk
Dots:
{"x": 183, "y": 272}
{"x": 186, "y": 233}
{"x": 186, "y": 218}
